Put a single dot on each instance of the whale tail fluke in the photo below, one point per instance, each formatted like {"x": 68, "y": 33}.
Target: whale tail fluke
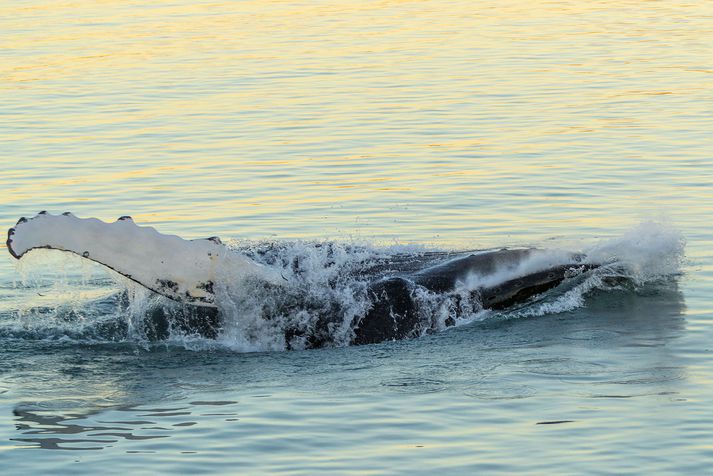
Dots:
{"x": 182, "y": 270}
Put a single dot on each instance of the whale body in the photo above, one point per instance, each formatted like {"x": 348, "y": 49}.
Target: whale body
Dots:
{"x": 189, "y": 272}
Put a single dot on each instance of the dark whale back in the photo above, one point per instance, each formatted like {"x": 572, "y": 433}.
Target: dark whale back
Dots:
{"x": 394, "y": 313}
{"x": 444, "y": 277}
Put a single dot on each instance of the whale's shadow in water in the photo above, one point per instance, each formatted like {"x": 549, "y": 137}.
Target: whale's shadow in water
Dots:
{"x": 89, "y": 397}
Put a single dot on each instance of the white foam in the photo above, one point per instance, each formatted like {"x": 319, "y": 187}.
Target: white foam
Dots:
{"x": 646, "y": 253}
{"x": 324, "y": 281}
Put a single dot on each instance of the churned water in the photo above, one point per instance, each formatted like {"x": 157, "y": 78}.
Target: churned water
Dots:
{"x": 377, "y": 127}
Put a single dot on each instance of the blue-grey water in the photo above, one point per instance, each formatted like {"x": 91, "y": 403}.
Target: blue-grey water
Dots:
{"x": 396, "y": 126}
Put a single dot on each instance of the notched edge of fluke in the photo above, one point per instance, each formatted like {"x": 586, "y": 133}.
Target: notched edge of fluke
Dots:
{"x": 11, "y": 232}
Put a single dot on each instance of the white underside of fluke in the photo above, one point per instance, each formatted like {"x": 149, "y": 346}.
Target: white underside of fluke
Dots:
{"x": 183, "y": 270}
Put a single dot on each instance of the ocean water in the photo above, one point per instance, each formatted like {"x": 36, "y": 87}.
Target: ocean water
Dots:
{"x": 376, "y": 128}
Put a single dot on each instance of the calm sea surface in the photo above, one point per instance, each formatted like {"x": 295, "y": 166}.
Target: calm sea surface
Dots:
{"x": 450, "y": 125}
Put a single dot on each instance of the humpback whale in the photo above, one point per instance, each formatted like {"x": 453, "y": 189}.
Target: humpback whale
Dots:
{"x": 195, "y": 273}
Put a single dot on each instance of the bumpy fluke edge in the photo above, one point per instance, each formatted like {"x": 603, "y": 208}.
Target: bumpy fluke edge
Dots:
{"x": 183, "y": 270}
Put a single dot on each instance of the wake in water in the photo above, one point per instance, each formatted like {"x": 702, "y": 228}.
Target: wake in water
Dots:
{"x": 296, "y": 295}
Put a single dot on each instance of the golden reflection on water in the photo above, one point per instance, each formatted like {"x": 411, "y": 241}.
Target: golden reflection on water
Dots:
{"x": 421, "y": 121}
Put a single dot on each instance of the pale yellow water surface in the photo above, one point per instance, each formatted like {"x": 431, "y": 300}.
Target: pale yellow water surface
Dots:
{"x": 421, "y": 121}
{"x": 455, "y": 124}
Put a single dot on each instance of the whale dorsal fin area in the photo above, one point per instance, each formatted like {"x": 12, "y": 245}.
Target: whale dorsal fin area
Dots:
{"x": 179, "y": 269}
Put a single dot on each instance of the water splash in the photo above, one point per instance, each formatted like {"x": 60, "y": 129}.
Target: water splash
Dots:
{"x": 648, "y": 253}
